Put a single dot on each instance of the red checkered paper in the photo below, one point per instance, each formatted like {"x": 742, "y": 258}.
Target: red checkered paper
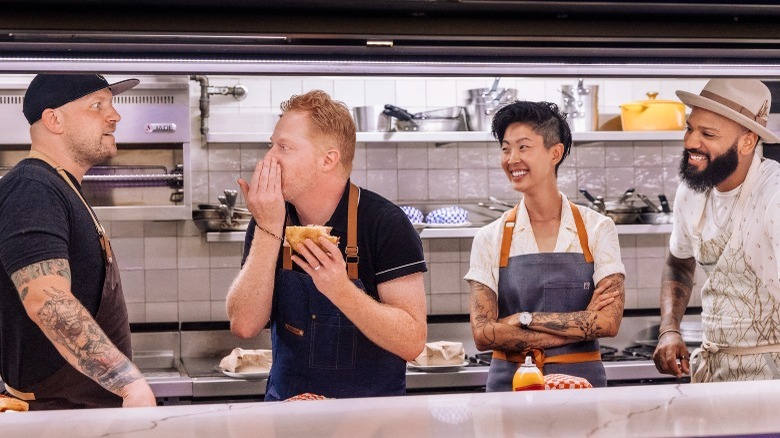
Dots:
{"x": 564, "y": 381}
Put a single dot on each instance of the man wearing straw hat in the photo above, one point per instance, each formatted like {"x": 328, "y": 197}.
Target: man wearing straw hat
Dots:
{"x": 726, "y": 219}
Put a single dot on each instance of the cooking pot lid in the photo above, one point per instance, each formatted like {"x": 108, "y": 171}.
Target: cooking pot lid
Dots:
{"x": 653, "y": 101}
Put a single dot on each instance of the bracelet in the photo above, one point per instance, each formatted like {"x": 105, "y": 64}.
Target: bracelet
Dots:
{"x": 268, "y": 232}
{"x": 667, "y": 331}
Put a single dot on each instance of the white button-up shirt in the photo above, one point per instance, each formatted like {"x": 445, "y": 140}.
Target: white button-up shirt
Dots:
{"x": 602, "y": 242}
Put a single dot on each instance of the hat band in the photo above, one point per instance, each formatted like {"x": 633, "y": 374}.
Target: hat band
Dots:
{"x": 733, "y": 105}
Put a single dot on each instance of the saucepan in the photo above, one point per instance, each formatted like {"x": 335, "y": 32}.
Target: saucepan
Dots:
{"x": 443, "y": 119}
{"x": 212, "y": 217}
{"x": 652, "y": 214}
{"x": 621, "y": 211}
{"x": 371, "y": 119}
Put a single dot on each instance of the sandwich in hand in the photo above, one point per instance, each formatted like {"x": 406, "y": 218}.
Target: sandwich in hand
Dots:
{"x": 296, "y": 235}
{"x": 13, "y": 404}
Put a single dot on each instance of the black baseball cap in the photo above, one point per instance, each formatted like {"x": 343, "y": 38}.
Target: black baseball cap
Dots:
{"x": 54, "y": 90}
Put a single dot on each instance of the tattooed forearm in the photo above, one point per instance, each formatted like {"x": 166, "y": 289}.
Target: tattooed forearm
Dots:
{"x": 503, "y": 334}
{"x": 67, "y": 323}
{"x": 584, "y": 323}
{"x": 24, "y": 276}
{"x": 676, "y": 289}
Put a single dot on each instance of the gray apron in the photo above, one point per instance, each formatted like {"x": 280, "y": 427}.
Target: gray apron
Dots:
{"x": 547, "y": 282}
{"x": 68, "y": 388}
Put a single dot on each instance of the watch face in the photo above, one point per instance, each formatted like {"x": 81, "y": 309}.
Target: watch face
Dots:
{"x": 525, "y": 318}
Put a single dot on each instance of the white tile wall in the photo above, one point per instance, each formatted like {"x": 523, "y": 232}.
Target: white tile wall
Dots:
{"x": 171, "y": 273}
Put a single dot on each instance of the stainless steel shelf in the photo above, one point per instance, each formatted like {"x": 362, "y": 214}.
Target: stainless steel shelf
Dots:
{"x": 455, "y": 233}
{"x": 452, "y": 137}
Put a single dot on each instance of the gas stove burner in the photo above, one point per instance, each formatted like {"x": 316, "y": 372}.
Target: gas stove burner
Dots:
{"x": 640, "y": 351}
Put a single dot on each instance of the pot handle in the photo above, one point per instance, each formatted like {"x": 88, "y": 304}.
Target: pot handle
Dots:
{"x": 664, "y": 203}
{"x": 398, "y": 113}
{"x": 587, "y": 195}
{"x": 649, "y": 203}
{"x": 627, "y": 194}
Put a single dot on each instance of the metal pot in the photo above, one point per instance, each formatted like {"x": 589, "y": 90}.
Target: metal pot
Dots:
{"x": 371, "y": 119}
{"x": 483, "y": 103}
{"x": 652, "y": 115}
{"x": 424, "y": 125}
{"x": 443, "y": 119}
{"x": 214, "y": 219}
{"x": 581, "y": 105}
{"x": 621, "y": 211}
{"x": 656, "y": 218}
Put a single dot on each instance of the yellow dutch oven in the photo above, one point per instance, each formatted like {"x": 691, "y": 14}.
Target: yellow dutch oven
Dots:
{"x": 652, "y": 115}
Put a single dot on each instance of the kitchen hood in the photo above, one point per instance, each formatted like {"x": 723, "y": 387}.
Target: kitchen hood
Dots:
{"x": 433, "y": 37}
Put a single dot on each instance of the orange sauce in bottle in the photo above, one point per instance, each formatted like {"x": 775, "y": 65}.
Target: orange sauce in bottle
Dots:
{"x": 528, "y": 377}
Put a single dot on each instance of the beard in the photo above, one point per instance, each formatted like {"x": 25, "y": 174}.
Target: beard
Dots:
{"x": 715, "y": 173}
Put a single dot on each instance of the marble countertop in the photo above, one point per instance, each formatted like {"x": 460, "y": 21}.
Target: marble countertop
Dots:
{"x": 735, "y": 408}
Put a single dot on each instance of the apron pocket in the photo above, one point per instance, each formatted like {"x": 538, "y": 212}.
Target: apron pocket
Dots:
{"x": 567, "y": 296}
{"x": 333, "y": 339}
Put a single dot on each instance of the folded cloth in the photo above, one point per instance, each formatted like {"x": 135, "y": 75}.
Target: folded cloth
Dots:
{"x": 414, "y": 214}
{"x": 448, "y": 215}
{"x": 565, "y": 381}
{"x": 441, "y": 353}
{"x": 247, "y": 361}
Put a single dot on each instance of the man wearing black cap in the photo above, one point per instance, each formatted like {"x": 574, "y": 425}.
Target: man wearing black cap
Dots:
{"x": 64, "y": 330}
{"x": 726, "y": 221}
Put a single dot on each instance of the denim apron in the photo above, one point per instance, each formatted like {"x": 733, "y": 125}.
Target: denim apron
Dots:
{"x": 69, "y": 388}
{"x": 546, "y": 282}
{"x": 317, "y": 349}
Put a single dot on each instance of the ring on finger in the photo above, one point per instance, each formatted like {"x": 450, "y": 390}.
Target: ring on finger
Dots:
{"x": 317, "y": 268}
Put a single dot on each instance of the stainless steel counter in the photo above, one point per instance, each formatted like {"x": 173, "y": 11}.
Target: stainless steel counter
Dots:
{"x": 183, "y": 367}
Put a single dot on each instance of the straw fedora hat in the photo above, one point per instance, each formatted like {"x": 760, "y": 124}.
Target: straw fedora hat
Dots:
{"x": 745, "y": 101}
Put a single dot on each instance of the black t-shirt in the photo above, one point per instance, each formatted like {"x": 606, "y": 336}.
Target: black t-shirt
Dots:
{"x": 388, "y": 245}
{"x": 41, "y": 218}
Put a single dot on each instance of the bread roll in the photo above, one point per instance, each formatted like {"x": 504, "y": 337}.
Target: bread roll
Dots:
{"x": 13, "y": 404}
{"x": 296, "y": 235}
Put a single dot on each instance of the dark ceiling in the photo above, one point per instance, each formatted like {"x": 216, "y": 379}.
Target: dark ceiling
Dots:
{"x": 585, "y": 31}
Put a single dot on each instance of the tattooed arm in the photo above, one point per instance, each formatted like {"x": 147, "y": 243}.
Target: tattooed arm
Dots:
{"x": 601, "y": 319}
{"x": 44, "y": 289}
{"x": 503, "y": 334}
{"x": 676, "y": 287}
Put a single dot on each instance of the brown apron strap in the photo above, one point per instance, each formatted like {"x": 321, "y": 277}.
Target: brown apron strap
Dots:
{"x": 581, "y": 233}
{"x": 105, "y": 244}
{"x": 506, "y": 238}
{"x": 286, "y": 251}
{"x": 509, "y": 226}
{"x": 352, "y": 247}
{"x": 26, "y": 396}
{"x": 540, "y": 358}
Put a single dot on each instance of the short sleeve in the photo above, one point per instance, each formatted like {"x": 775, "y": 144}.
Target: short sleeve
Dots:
{"x": 33, "y": 224}
{"x": 680, "y": 244}
{"x": 399, "y": 250}
{"x": 605, "y": 247}
{"x": 483, "y": 264}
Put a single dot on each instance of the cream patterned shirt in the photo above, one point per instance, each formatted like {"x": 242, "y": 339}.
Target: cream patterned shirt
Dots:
{"x": 760, "y": 235}
{"x": 741, "y": 297}
{"x": 602, "y": 241}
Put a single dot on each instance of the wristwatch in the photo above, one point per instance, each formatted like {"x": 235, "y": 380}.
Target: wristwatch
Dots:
{"x": 525, "y": 319}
